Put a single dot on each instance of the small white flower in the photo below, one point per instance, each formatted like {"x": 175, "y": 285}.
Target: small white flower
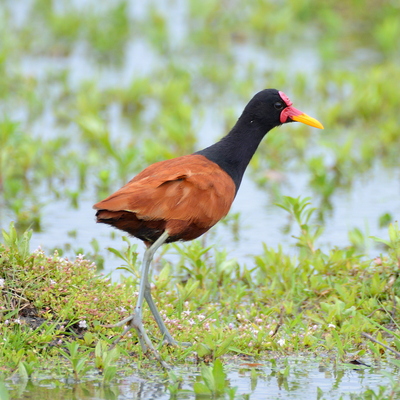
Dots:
{"x": 82, "y": 324}
{"x": 6, "y": 322}
{"x": 281, "y": 342}
{"x": 201, "y": 317}
{"x": 17, "y": 321}
{"x": 332, "y": 326}
{"x": 2, "y": 282}
{"x": 53, "y": 282}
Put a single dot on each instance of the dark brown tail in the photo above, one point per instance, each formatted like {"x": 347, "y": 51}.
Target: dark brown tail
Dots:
{"x": 124, "y": 220}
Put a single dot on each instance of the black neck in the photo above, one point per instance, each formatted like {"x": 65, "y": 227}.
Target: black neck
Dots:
{"x": 234, "y": 151}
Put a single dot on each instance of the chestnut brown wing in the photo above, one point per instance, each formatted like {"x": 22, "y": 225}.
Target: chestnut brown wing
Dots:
{"x": 189, "y": 188}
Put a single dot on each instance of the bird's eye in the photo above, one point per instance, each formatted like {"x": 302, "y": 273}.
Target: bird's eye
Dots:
{"x": 278, "y": 105}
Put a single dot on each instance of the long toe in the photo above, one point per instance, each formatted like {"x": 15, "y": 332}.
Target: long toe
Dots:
{"x": 146, "y": 344}
{"x": 116, "y": 341}
{"x": 120, "y": 323}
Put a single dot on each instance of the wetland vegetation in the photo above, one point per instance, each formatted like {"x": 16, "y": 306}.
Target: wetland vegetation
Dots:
{"x": 92, "y": 93}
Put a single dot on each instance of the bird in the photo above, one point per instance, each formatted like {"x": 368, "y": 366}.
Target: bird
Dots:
{"x": 182, "y": 198}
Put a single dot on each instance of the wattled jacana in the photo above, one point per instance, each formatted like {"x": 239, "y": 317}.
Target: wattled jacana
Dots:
{"x": 182, "y": 198}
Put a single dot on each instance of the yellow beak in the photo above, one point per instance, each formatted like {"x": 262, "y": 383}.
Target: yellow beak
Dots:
{"x": 306, "y": 119}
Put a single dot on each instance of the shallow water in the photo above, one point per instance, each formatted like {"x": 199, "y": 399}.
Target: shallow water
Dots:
{"x": 305, "y": 379}
{"x": 260, "y": 220}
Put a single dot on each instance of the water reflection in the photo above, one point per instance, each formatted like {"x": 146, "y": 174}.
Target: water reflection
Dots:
{"x": 297, "y": 378}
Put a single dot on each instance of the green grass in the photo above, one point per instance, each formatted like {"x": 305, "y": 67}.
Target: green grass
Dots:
{"x": 315, "y": 301}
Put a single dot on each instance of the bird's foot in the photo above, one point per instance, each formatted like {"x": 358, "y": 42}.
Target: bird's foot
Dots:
{"x": 120, "y": 323}
{"x": 168, "y": 339}
{"x": 145, "y": 343}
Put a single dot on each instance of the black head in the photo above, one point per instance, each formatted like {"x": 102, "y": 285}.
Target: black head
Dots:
{"x": 266, "y": 110}
{"x": 270, "y": 108}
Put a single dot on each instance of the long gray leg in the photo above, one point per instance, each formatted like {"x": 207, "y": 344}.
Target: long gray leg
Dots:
{"x": 136, "y": 318}
{"x": 163, "y": 329}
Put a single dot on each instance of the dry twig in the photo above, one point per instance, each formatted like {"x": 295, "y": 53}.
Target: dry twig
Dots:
{"x": 380, "y": 343}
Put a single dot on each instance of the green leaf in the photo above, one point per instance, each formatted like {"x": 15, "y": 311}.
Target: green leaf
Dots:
{"x": 394, "y": 233}
{"x": 109, "y": 373}
{"x": 23, "y": 373}
{"x": 110, "y": 356}
{"x": 219, "y": 376}
{"x": 231, "y": 392}
{"x": 223, "y": 348}
{"x": 202, "y": 350}
{"x": 164, "y": 274}
{"x": 208, "y": 377}
{"x": 3, "y": 391}
{"x": 116, "y": 252}
{"x": 80, "y": 366}
{"x": 201, "y": 389}
{"x": 376, "y": 239}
